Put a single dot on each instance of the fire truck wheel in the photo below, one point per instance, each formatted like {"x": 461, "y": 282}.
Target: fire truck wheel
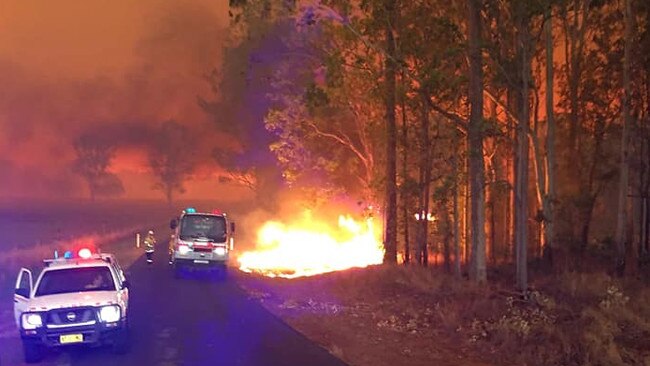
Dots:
{"x": 33, "y": 352}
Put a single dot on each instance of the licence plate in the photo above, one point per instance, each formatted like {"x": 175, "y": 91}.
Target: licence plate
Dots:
{"x": 201, "y": 261}
{"x": 71, "y": 338}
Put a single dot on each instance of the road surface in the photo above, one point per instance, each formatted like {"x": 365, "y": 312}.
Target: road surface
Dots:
{"x": 192, "y": 321}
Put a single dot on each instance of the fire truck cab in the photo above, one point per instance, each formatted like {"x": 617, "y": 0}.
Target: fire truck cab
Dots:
{"x": 201, "y": 240}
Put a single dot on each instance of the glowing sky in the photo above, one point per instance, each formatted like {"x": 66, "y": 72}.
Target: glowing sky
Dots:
{"x": 68, "y": 67}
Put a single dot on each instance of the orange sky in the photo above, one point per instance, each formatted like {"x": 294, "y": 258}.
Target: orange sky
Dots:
{"x": 69, "y": 66}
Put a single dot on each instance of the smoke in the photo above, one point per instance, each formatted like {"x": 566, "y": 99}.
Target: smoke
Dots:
{"x": 159, "y": 77}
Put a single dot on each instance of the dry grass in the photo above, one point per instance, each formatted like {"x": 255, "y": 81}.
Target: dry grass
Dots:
{"x": 12, "y": 259}
{"x": 573, "y": 319}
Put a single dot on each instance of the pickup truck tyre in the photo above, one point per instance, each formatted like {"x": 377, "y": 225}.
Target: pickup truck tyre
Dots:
{"x": 122, "y": 342}
{"x": 33, "y": 352}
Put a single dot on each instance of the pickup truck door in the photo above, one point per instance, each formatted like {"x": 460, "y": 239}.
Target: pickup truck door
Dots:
{"x": 22, "y": 293}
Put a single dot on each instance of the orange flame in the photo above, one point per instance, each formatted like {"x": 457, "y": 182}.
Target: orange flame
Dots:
{"x": 309, "y": 247}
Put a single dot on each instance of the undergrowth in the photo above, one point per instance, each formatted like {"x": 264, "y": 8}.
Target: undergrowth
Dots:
{"x": 572, "y": 319}
{"x": 569, "y": 319}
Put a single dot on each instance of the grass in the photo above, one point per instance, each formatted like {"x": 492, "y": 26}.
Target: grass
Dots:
{"x": 33, "y": 230}
{"x": 569, "y": 319}
{"x": 14, "y": 258}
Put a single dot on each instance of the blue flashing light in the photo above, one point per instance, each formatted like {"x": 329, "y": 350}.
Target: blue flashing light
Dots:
{"x": 67, "y": 255}
{"x": 190, "y": 210}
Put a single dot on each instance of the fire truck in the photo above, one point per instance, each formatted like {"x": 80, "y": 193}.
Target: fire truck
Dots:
{"x": 200, "y": 240}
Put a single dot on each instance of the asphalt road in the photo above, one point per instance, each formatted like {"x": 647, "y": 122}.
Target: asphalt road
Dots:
{"x": 191, "y": 321}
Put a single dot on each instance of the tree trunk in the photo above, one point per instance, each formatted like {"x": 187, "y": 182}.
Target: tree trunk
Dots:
{"x": 467, "y": 213}
{"x": 645, "y": 228}
{"x": 587, "y": 216}
{"x": 405, "y": 195}
{"x": 478, "y": 272}
{"x": 581, "y": 8}
{"x": 390, "y": 235}
{"x": 621, "y": 216}
{"x": 511, "y": 168}
{"x": 457, "y": 270}
{"x": 521, "y": 184}
{"x": 548, "y": 202}
{"x": 445, "y": 226}
{"x": 425, "y": 182}
{"x": 492, "y": 220}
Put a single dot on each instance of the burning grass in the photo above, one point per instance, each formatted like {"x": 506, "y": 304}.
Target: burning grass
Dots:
{"x": 308, "y": 246}
{"x": 385, "y": 315}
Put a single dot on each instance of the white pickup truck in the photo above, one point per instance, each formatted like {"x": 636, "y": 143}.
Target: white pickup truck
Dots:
{"x": 78, "y": 299}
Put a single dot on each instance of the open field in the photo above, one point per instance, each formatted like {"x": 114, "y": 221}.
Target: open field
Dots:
{"x": 33, "y": 231}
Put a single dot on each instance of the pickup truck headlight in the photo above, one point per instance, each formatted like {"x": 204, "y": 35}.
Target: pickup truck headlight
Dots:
{"x": 220, "y": 251}
{"x": 109, "y": 314}
{"x": 30, "y": 321}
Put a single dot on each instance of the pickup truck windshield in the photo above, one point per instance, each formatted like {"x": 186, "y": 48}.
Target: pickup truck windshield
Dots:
{"x": 203, "y": 227}
{"x": 81, "y": 279}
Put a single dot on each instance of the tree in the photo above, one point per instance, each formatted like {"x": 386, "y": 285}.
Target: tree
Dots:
{"x": 240, "y": 100}
{"x": 456, "y": 213}
{"x": 522, "y": 20}
{"x": 172, "y": 158}
{"x": 109, "y": 185}
{"x": 624, "y": 163}
{"x": 546, "y": 177}
{"x": 94, "y": 155}
{"x": 390, "y": 209}
{"x": 478, "y": 271}
{"x": 587, "y": 121}
{"x": 325, "y": 118}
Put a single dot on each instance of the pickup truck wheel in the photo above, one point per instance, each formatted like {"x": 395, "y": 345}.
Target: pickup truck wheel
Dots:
{"x": 122, "y": 342}
{"x": 33, "y": 352}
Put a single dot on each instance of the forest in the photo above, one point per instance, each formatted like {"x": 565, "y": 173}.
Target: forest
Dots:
{"x": 488, "y": 132}
{"x": 503, "y": 142}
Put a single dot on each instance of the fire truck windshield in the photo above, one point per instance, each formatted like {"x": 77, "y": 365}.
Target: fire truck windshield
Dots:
{"x": 203, "y": 227}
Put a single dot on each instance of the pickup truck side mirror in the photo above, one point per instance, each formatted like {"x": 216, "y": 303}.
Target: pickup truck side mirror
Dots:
{"x": 232, "y": 227}
{"x": 24, "y": 292}
{"x": 173, "y": 224}
{"x": 126, "y": 284}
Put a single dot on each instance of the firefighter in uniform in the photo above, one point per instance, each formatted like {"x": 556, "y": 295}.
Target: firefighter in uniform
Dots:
{"x": 170, "y": 249}
{"x": 149, "y": 244}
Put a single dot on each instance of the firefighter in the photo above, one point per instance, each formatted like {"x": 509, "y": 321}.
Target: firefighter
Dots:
{"x": 170, "y": 249}
{"x": 149, "y": 245}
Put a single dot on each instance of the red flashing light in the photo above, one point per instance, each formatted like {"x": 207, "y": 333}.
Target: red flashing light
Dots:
{"x": 85, "y": 253}
{"x": 216, "y": 212}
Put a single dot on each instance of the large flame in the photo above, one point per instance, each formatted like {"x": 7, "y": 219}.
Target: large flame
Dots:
{"x": 308, "y": 247}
